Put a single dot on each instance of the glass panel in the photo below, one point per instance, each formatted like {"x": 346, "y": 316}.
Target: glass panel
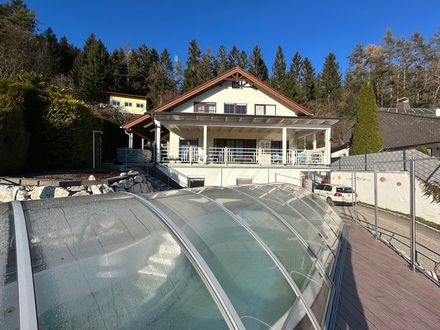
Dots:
{"x": 270, "y": 110}
{"x": 298, "y": 318}
{"x": 259, "y": 109}
{"x": 289, "y": 195}
{"x": 294, "y": 218}
{"x": 292, "y": 254}
{"x": 112, "y": 265}
{"x": 336, "y": 222}
{"x": 9, "y": 316}
{"x": 259, "y": 292}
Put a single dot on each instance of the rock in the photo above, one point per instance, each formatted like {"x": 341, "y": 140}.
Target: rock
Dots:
{"x": 76, "y": 188}
{"x": 135, "y": 189}
{"x": 145, "y": 187}
{"x": 105, "y": 189}
{"x": 6, "y": 193}
{"x": 42, "y": 192}
{"x": 21, "y": 194}
{"x": 101, "y": 189}
{"x": 92, "y": 178}
{"x": 123, "y": 174}
{"x": 138, "y": 179}
{"x": 60, "y": 192}
{"x": 117, "y": 189}
{"x": 81, "y": 193}
{"x": 133, "y": 172}
{"x": 126, "y": 183}
{"x": 96, "y": 189}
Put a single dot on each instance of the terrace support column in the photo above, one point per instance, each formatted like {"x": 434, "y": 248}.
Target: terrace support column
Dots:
{"x": 328, "y": 147}
{"x": 284, "y": 145}
{"x": 142, "y": 143}
{"x": 130, "y": 141}
{"x": 157, "y": 135}
{"x": 205, "y": 143}
{"x": 314, "y": 141}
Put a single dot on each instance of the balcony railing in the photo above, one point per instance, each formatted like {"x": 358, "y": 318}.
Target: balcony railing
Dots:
{"x": 249, "y": 156}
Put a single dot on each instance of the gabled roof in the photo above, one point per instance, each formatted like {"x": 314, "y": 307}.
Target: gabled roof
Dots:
{"x": 132, "y": 96}
{"x": 233, "y": 74}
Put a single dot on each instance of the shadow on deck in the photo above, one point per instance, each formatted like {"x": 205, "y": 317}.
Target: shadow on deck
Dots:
{"x": 380, "y": 291}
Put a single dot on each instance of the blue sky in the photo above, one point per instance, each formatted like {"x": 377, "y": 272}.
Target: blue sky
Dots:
{"x": 313, "y": 27}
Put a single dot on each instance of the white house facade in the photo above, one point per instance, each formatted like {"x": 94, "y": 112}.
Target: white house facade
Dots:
{"x": 236, "y": 129}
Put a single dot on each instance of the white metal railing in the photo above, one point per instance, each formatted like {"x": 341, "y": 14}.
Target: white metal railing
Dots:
{"x": 260, "y": 156}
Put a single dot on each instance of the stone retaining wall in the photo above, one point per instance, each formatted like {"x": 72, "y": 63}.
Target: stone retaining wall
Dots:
{"x": 31, "y": 189}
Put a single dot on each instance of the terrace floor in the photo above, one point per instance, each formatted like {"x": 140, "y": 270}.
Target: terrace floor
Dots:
{"x": 380, "y": 291}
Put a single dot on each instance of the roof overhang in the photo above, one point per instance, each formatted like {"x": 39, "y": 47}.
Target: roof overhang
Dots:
{"x": 233, "y": 120}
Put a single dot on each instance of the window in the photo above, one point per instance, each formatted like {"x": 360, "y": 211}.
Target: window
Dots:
{"x": 265, "y": 109}
{"x": 204, "y": 107}
{"x": 238, "y": 108}
{"x": 116, "y": 103}
{"x": 139, "y": 105}
{"x": 235, "y": 84}
{"x": 127, "y": 104}
{"x": 196, "y": 182}
{"x": 242, "y": 181}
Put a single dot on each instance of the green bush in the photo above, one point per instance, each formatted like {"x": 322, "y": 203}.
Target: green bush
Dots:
{"x": 68, "y": 129}
{"x": 14, "y": 138}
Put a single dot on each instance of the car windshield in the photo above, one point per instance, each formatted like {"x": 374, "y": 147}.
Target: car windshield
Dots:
{"x": 344, "y": 190}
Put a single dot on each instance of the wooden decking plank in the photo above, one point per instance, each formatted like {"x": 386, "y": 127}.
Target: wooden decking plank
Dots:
{"x": 378, "y": 289}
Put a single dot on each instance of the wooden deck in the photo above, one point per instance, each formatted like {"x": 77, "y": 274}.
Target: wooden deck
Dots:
{"x": 380, "y": 291}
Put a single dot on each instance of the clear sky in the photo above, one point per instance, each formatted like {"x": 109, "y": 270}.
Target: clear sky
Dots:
{"x": 312, "y": 27}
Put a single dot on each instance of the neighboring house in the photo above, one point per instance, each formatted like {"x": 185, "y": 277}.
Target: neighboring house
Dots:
{"x": 404, "y": 127}
{"x": 234, "y": 129}
{"x": 128, "y": 103}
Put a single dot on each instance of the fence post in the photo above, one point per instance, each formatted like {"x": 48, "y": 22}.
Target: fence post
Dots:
{"x": 354, "y": 198}
{"x": 413, "y": 213}
{"x": 376, "y": 216}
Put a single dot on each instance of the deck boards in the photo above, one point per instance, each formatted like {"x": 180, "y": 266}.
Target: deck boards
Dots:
{"x": 380, "y": 291}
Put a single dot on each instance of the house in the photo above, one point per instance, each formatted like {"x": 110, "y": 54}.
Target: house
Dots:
{"x": 404, "y": 127}
{"x": 236, "y": 129}
{"x": 128, "y": 103}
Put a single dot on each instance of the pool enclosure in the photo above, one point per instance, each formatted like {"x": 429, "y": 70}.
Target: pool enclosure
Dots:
{"x": 242, "y": 257}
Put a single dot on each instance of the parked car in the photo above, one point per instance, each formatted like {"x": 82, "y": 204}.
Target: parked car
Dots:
{"x": 336, "y": 194}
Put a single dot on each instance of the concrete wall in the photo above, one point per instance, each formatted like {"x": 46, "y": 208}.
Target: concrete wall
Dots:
{"x": 227, "y": 176}
{"x": 393, "y": 192}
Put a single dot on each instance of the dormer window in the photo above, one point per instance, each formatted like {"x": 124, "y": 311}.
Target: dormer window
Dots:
{"x": 209, "y": 107}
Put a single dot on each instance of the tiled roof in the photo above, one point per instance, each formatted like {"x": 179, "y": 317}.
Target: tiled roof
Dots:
{"x": 415, "y": 127}
{"x": 406, "y": 128}
{"x": 412, "y": 111}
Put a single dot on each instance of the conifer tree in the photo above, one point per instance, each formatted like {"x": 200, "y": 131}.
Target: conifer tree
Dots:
{"x": 331, "y": 79}
{"x": 233, "y": 57}
{"x": 243, "y": 61}
{"x": 221, "y": 61}
{"x": 366, "y": 134}
{"x": 193, "y": 63}
{"x": 308, "y": 78}
{"x": 119, "y": 71}
{"x": 278, "y": 70}
{"x": 257, "y": 67}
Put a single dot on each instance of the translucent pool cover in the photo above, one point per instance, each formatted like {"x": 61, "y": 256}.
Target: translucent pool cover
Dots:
{"x": 245, "y": 257}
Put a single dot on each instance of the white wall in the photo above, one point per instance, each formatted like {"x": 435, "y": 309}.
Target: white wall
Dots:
{"x": 226, "y": 94}
{"x": 393, "y": 192}
{"x": 227, "y": 176}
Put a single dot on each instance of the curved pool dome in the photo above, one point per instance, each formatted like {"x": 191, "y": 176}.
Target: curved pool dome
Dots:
{"x": 245, "y": 257}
